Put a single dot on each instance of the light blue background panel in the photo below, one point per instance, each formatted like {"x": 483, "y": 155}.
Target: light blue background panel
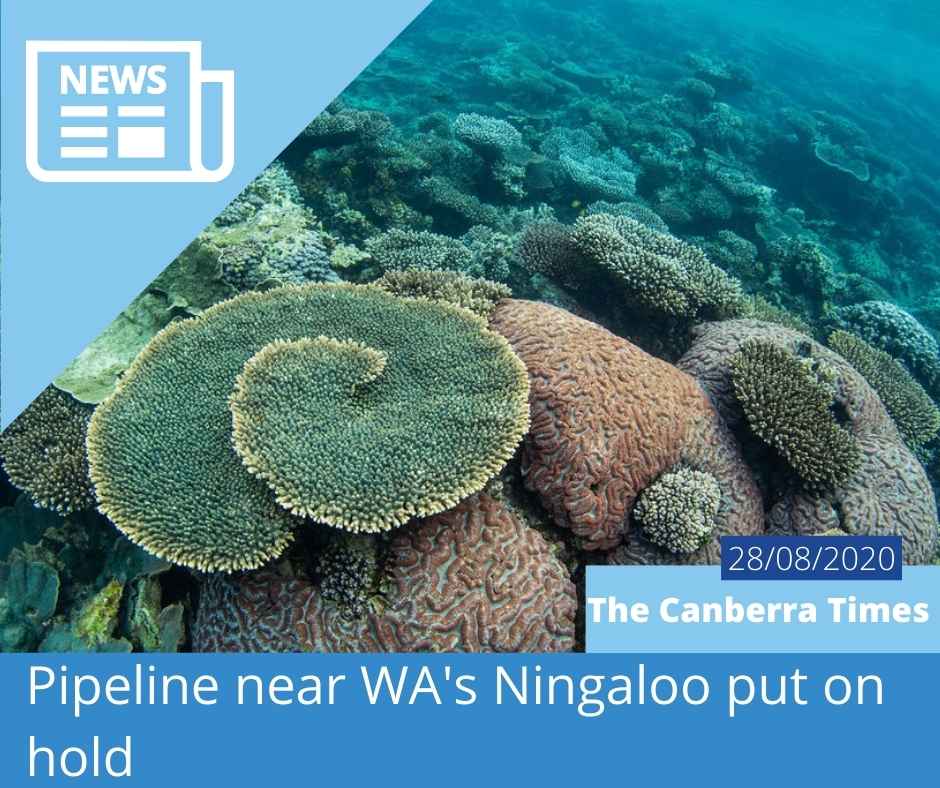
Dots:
{"x": 75, "y": 254}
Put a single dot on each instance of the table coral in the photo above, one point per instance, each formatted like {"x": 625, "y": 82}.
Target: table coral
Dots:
{"x": 607, "y": 420}
{"x": 345, "y": 437}
{"x": 160, "y": 448}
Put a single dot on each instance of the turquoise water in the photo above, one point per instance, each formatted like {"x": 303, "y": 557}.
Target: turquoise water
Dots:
{"x": 871, "y": 67}
{"x": 793, "y": 142}
{"x": 748, "y": 191}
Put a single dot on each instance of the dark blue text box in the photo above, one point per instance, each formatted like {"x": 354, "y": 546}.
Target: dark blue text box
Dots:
{"x": 811, "y": 558}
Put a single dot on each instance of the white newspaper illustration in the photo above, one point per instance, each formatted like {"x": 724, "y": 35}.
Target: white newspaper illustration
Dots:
{"x": 125, "y": 111}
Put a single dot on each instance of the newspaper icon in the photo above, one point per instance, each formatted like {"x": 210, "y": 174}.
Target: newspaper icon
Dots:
{"x": 126, "y": 111}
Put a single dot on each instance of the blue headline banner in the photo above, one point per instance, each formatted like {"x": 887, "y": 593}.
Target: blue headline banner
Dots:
{"x": 780, "y": 719}
{"x": 690, "y": 609}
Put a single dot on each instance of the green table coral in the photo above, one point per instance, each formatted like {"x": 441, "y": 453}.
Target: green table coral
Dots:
{"x": 442, "y": 416}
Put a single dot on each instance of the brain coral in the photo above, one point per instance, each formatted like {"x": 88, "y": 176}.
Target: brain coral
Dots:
{"x": 607, "y": 420}
{"x": 472, "y": 579}
{"x": 888, "y": 493}
{"x": 160, "y": 448}
{"x": 787, "y": 405}
{"x": 714, "y": 344}
{"x": 43, "y": 452}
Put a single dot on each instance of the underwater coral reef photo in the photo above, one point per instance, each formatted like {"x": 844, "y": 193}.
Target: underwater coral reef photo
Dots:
{"x": 551, "y": 284}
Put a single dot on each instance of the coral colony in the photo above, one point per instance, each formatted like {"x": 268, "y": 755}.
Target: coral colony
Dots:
{"x": 569, "y": 293}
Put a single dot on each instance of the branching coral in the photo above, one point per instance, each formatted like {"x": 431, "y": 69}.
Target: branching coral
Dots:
{"x": 788, "y": 407}
{"x": 806, "y": 269}
{"x": 606, "y": 175}
{"x": 472, "y": 579}
{"x": 761, "y": 309}
{"x": 911, "y": 408}
{"x": 492, "y": 138}
{"x": 678, "y": 510}
{"x": 547, "y": 248}
{"x": 43, "y": 452}
{"x": 266, "y": 236}
{"x": 492, "y": 252}
{"x": 632, "y": 210}
{"x": 273, "y": 186}
{"x": 607, "y": 420}
{"x": 657, "y": 270}
{"x": 891, "y": 329}
{"x": 480, "y": 296}
{"x": 254, "y": 262}
{"x": 160, "y": 447}
{"x": 339, "y": 125}
{"x": 397, "y": 250}
{"x": 347, "y": 570}
{"x": 443, "y": 195}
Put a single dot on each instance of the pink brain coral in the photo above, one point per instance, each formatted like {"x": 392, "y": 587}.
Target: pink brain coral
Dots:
{"x": 474, "y": 578}
{"x": 888, "y": 494}
{"x": 607, "y": 420}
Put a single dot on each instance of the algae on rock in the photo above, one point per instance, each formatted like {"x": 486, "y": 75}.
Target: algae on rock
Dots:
{"x": 191, "y": 283}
